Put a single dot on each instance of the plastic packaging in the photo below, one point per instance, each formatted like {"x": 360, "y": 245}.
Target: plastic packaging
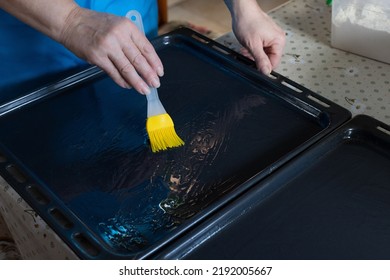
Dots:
{"x": 362, "y": 27}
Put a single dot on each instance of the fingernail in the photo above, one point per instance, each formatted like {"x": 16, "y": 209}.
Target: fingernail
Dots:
{"x": 160, "y": 71}
{"x": 156, "y": 82}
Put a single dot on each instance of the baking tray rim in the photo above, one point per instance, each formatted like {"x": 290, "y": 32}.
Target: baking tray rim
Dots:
{"x": 212, "y": 225}
{"x": 93, "y": 72}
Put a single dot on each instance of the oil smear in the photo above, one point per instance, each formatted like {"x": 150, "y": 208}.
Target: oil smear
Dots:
{"x": 174, "y": 186}
{"x": 139, "y": 220}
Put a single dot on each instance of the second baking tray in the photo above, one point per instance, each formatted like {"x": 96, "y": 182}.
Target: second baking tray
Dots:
{"x": 77, "y": 150}
{"x": 332, "y": 202}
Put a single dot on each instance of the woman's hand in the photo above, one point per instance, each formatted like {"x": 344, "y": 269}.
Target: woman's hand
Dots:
{"x": 112, "y": 43}
{"x": 115, "y": 45}
{"x": 262, "y": 38}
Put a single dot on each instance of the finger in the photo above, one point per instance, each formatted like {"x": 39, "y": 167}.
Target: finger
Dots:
{"x": 245, "y": 52}
{"x": 127, "y": 72}
{"x": 148, "y": 51}
{"x": 140, "y": 64}
{"x": 261, "y": 58}
{"x": 274, "y": 54}
{"x": 107, "y": 66}
{"x": 151, "y": 56}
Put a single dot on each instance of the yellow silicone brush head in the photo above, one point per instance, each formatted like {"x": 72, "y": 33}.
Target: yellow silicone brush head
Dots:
{"x": 162, "y": 134}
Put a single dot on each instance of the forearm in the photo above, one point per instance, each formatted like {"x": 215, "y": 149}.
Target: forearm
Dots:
{"x": 111, "y": 42}
{"x": 47, "y": 16}
{"x": 239, "y": 7}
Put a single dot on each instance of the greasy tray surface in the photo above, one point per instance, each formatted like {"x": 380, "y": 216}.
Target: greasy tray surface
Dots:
{"x": 333, "y": 202}
{"x": 88, "y": 170}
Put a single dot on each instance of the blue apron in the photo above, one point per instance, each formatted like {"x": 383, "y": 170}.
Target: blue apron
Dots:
{"x": 30, "y": 59}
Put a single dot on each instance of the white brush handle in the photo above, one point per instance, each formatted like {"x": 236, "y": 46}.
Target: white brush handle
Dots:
{"x": 154, "y": 104}
{"x": 136, "y": 18}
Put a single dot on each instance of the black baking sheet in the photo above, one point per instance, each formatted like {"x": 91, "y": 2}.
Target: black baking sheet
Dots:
{"x": 77, "y": 150}
{"x": 332, "y": 202}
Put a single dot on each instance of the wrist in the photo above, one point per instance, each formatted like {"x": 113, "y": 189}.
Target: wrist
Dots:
{"x": 244, "y": 9}
{"x": 238, "y": 6}
{"x": 65, "y": 20}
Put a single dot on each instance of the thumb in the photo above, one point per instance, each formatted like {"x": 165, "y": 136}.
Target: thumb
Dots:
{"x": 262, "y": 60}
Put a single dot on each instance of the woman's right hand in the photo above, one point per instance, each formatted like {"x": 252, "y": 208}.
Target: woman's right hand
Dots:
{"x": 115, "y": 45}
